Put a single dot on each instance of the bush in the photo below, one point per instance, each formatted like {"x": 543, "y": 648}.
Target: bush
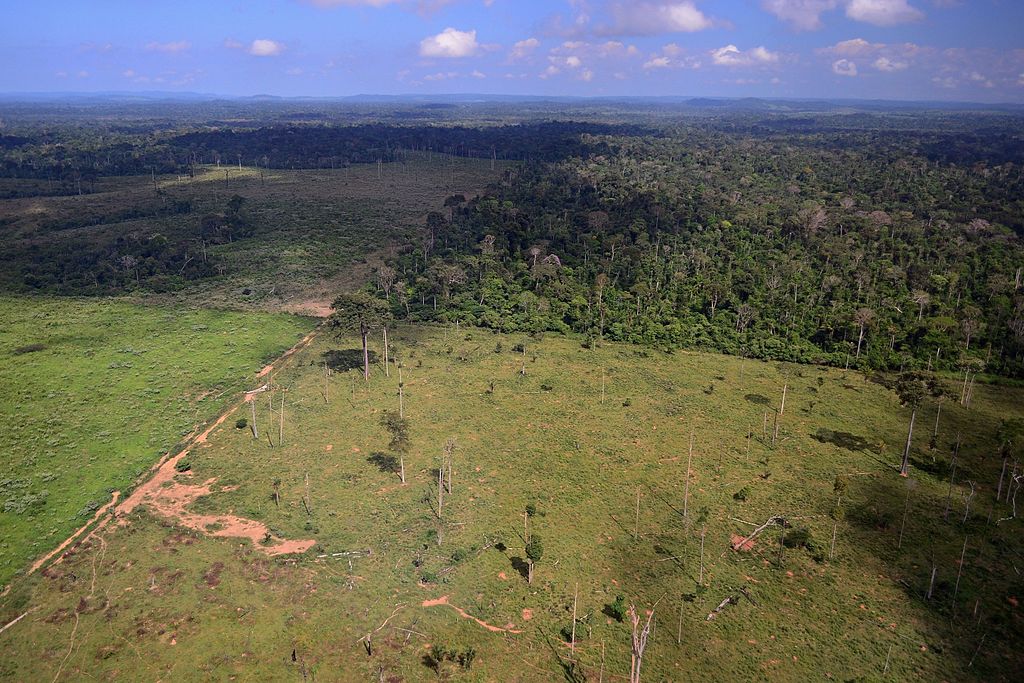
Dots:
{"x": 742, "y": 494}
{"x": 531, "y": 509}
{"x": 627, "y": 403}
{"x": 242, "y": 423}
{"x": 459, "y": 555}
{"x": 616, "y": 610}
{"x": 428, "y": 577}
{"x": 183, "y": 466}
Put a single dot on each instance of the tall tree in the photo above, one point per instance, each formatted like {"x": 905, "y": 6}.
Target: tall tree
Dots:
{"x": 360, "y": 312}
{"x": 912, "y": 388}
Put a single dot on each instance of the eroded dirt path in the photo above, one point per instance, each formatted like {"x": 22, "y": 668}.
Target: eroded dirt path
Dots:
{"x": 168, "y": 498}
{"x": 71, "y": 539}
{"x": 443, "y": 600}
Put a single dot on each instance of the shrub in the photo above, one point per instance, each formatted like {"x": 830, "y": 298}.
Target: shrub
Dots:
{"x": 428, "y": 577}
{"x": 616, "y": 610}
{"x": 627, "y": 403}
{"x": 183, "y": 466}
{"x": 498, "y": 348}
{"x": 242, "y": 423}
{"x": 531, "y": 509}
{"x": 459, "y": 555}
{"x": 742, "y": 494}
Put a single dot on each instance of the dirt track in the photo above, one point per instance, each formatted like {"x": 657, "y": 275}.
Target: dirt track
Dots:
{"x": 170, "y": 499}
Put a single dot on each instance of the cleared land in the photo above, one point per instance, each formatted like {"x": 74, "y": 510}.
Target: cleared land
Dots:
{"x": 148, "y": 598}
{"x": 315, "y": 231}
{"x": 97, "y": 390}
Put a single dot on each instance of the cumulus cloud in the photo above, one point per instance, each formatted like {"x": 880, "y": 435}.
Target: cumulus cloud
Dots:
{"x": 805, "y": 15}
{"x": 658, "y": 63}
{"x": 844, "y": 67}
{"x": 264, "y": 47}
{"x": 671, "y": 57}
{"x": 889, "y": 65}
{"x": 730, "y": 55}
{"x": 882, "y": 12}
{"x": 175, "y": 46}
{"x": 450, "y": 43}
{"x": 652, "y": 18}
{"x": 523, "y": 48}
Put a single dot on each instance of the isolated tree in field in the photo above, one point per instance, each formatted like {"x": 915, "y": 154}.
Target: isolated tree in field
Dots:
{"x": 912, "y": 388}
{"x": 398, "y": 427}
{"x": 362, "y": 312}
{"x": 1010, "y": 437}
{"x": 534, "y": 553}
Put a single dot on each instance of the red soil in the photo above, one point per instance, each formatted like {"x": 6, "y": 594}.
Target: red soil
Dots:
{"x": 443, "y": 600}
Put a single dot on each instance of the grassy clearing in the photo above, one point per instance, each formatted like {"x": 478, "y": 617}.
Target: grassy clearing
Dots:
{"x": 152, "y": 601}
{"x": 96, "y": 391}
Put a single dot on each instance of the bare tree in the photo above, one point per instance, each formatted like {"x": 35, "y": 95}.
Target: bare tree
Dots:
{"x": 863, "y": 318}
{"x": 639, "y": 641}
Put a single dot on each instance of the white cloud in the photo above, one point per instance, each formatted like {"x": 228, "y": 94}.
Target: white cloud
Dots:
{"x": 232, "y": 44}
{"x": 523, "y": 48}
{"x": 441, "y": 76}
{"x": 175, "y": 46}
{"x": 652, "y": 18}
{"x": 128, "y": 73}
{"x": 478, "y": 74}
{"x": 853, "y": 48}
{"x": 573, "y": 62}
{"x": 450, "y": 43}
{"x": 730, "y": 55}
{"x": 587, "y": 75}
{"x": 803, "y": 15}
{"x": 844, "y": 67}
{"x": 882, "y": 12}
{"x": 552, "y": 70}
{"x": 671, "y": 57}
{"x": 294, "y": 71}
{"x": 889, "y": 65}
{"x": 264, "y": 47}
{"x": 658, "y": 63}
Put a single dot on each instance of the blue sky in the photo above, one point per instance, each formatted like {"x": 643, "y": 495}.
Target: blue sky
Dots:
{"x": 893, "y": 49}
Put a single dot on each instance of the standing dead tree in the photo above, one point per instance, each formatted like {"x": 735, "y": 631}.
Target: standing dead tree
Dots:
{"x": 449, "y": 456}
{"x": 639, "y": 641}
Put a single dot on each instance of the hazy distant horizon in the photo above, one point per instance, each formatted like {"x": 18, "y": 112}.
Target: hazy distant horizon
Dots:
{"x": 899, "y": 50}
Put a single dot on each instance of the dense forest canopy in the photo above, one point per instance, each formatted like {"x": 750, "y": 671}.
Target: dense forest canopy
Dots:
{"x": 844, "y": 235}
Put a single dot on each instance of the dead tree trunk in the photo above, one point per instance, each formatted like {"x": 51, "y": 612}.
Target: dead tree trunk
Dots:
{"x": 639, "y": 642}
{"x": 905, "y": 465}
{"x": 686, "y": 488}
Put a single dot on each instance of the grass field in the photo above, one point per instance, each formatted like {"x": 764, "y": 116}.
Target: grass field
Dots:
{"x": 151, "y": 599}
{"x": 96, "y": 391}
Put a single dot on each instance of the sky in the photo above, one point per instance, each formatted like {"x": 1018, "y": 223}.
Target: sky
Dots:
{"x": 965, "y": 50}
